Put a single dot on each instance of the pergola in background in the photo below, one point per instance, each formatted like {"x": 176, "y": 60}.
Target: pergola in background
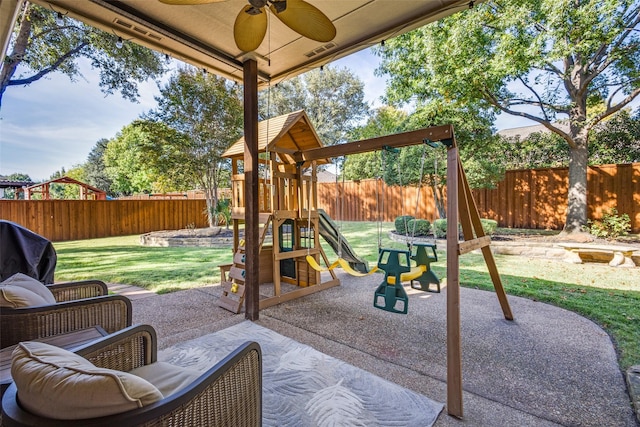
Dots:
{"x": 202, "y": 35}
{"x": 87, "y": 192}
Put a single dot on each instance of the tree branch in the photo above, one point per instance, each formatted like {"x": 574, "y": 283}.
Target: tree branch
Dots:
{"x": 540, "y": 103}
{"x": 50, "y": 69}
{"x": 615, "y": 108}
{"x": 547, "y": 124}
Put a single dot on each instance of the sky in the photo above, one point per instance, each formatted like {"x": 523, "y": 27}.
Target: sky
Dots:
{"x": 54, "y": 123}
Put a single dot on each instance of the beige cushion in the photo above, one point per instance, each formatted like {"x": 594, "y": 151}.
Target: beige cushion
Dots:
{"x": 21, "y": 290}
{"x": 167, "y": 378}
{"x": 56, "y": 383}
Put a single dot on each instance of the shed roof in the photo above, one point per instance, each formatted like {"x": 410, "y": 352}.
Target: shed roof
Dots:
{"x": 284, "y": 135}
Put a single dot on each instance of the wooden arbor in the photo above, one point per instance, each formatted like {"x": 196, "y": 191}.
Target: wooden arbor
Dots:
{"x": 461, "y": 208}
{"x": 288, "y": 214}
{"x": 87, "y": 192}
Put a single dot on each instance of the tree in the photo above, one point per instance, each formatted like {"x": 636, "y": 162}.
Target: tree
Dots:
{"x": 203, "y": 116}
{"x": 10, "y": 193}
{"x": 42, "y": 44}
{"x": 125, "y": 163}
{"x": 617, "y": 140}
{"x": 613, "y": 141}
{"x": 332, "y": 98}
{"x": 541, "y": 59}
{"x": 95, "y": 168}
{"x": 479, "y": 148}
{"x": 384, "y": 121}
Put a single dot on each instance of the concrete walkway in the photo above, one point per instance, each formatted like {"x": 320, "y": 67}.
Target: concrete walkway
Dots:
{"x": 547, "y": 367}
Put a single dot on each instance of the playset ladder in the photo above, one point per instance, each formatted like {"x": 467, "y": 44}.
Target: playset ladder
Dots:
{"x": 233, "y": 288}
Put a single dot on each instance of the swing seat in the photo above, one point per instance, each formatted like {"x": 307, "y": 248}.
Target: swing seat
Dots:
{"x": 314, "y": 264}
{"x": 348, "y": 269}
{"x": 393, "y": 297}
{"x": 415, "y": 272}
{"x": 338, "y": 263}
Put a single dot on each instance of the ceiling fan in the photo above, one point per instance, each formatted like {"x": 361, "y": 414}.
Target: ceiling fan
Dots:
{"x": 251, "y": 23}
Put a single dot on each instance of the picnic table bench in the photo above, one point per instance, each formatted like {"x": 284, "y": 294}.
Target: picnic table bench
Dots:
{"x": 614, "y": 255}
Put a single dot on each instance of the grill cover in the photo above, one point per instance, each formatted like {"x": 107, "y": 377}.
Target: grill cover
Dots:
{"x": 23, "y": 251}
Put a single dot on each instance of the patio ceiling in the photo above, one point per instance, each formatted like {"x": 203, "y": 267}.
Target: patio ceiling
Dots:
{"x": 202, "y": 35}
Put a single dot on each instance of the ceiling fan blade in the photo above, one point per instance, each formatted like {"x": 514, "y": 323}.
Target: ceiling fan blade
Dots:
{"x": 306, "y": 20}
{"x": 189, "y": 2}
{"x": 249, "y": 28}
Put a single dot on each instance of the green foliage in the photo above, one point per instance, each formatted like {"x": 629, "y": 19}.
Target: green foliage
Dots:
{"x": 332, "y": 98}
{"x": 537, "y": 150}
{"x": 440, "y": 228}
{"x": 538, "y": 59}
{"x": 222, "y": 212}
{"x": 401, "y": 223}
{"x": 383, "y": 121}
{"x": 418, "y": 227}
{"x": 489, "y": 226}
{"x": 198, "y": 117}
{"x": 95, "y": 169}
{"x": 125, "y": 162}
{"x": 40, "y": 46}
{"x": 617, "y": 140}
{"x": 611, "y": 225}
{"x": 10, "y": 193}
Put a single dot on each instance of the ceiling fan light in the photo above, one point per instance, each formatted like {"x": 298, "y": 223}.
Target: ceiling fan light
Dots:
{"x": 119, "y": 43}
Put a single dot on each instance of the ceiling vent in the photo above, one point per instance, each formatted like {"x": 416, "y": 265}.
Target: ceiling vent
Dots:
{"x": 138, "y": 30}
{"x": 319, "y": 50}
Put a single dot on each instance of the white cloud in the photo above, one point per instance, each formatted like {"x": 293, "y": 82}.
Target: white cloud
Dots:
{"x": 54, "y": 123}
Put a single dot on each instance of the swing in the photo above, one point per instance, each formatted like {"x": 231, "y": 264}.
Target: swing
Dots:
{"x": 340, "y": 262}
{"x": 396, "y": 263}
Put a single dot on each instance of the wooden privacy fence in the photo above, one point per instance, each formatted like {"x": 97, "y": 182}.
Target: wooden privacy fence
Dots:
{"x": 524, "y": 199}
{"x": 60, "y": 220}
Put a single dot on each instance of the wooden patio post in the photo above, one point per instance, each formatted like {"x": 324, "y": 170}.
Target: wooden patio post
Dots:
{"x": 454, "y": 351}
{"x": 251, "y": 214}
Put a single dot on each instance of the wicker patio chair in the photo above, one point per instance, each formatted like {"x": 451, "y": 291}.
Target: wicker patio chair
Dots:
{"x": 228, "y": 394}
{"x": 80, "y": 305}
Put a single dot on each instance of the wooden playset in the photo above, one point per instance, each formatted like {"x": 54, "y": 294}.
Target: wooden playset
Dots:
{"x": 290, "y": 221}
{"x": 287, "y": 211}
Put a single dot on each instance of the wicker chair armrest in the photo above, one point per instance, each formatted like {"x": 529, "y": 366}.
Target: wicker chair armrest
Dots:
{"x": 111, "y": 312}
{"x": 124, "y": 350}
{"x": 229, "y": 394}
{"x": 69, "y": 291}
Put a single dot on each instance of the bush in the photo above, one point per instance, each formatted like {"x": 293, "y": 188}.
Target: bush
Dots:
{"x": 401, "y": 223}
{"x": 418, "y": 227}
{"x": 489, "y": 226}
{"x": 440, "y": 228}
{"x": 611, "y": 225}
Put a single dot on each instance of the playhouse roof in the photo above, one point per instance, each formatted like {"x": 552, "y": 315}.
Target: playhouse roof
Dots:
{"x": 284, "y": 135}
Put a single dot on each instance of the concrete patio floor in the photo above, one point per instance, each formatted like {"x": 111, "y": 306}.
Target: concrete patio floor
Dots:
{"x": 547, "y": 367}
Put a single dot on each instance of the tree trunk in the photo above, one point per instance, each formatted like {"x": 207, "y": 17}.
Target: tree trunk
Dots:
{"x": 577, "y": 191}
{"x": 19, "y": 50}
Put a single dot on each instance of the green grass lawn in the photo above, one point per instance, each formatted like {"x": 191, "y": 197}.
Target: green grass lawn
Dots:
{"x": 608, "y": 296}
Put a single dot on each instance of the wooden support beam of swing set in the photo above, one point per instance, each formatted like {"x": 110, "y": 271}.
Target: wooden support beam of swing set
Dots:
{"x": 434, "y": 133}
